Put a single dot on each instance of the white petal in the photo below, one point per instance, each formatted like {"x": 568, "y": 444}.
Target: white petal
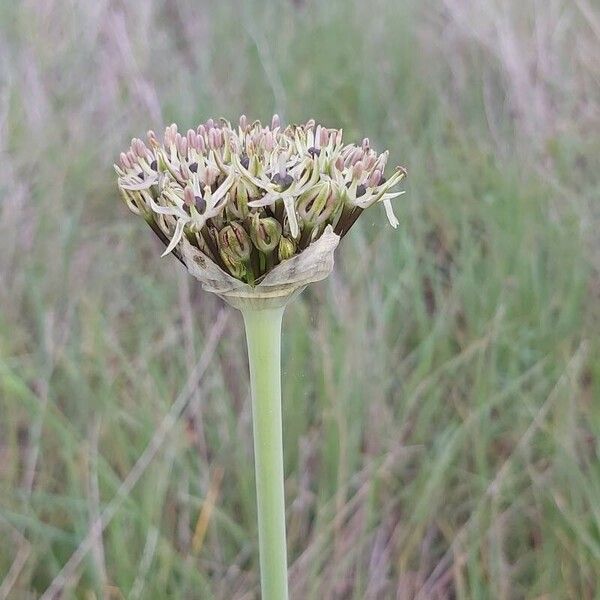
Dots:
{"x": 223, "y": 188}
{"x": 245, "y": 173}
{"x": 370, "y": 198}
{"x": 144, "y": 185}
{"x": 166, "y": 210}
{"x": 389, "y": 211}
{"x": 176, "y": 237}
{"x": 391, "y": 196}
{"x": 266, "y": 200}
{"x": 131, "y": 205}
{"x": 290, "y": 209}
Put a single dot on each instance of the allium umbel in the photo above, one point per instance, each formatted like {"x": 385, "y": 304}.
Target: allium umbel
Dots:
{"x": 255, "y": 213}
{"x": 254, "y": 210}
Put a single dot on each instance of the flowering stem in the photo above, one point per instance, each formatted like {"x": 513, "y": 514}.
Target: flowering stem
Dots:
{"x": 263, "y": 334}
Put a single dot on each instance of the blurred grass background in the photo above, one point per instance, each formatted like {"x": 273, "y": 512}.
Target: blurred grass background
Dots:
{"x": 441, "y": 388}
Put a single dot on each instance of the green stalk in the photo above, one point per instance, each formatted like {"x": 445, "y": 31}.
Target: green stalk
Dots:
{"x": 263, "y": 334}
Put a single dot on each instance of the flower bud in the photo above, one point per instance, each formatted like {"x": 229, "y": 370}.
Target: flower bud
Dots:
{"x": 184, "y": 170}
{"x": 140, "y": 148}
{"x": 286, "y": 249}
{"x": 188, "y": 196}
{"x": 265, "y": 233}
{"x": 324, "y": 137}
{"x": 375, "y": 178}
{"x": 182, "y": 146}
{"x": 269, "y": 141}
{"x": 357, "y": 170}
{"x": 234, "y": 242}
{"x": 236, "y": 268}
{"x": 152, "y": 139}
{"x": 191, "y": 138}
{"x": 124, "y": 161}
{"x": 317, "y": 205}
{"x": 211, "y": 174}
{"x": 237, "y": 206}
{"x": 353, "y": 157}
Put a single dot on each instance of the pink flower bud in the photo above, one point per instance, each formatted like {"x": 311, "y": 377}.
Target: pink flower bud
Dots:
{"x": 191, "y": 138}
{"x": 211, "y": 175}
{"x": 369, "y": 161}
{"x": 188, "y": 196}
{"x": 354, "y": 157}
{"x": 269, "y": 141}
{"x": 357, "y": 170}
{"x": 324, "y": 137}
{"x": 375, "y": 178}
{"x": 152, "y": 139}
{"x": 183, "y": 146}
{"x": 185, "y": 171}
{"x": 124, "y": 160}
{"x": 212, "y": 142}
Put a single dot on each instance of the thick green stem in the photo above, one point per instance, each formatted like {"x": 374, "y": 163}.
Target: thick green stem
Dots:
{"x": 263, "y": 334}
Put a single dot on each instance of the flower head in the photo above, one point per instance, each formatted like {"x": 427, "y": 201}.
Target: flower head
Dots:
{"x": 248, "y": 205}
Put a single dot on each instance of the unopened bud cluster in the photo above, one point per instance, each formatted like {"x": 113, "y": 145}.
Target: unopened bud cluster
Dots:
{"x": 252, "y": 196}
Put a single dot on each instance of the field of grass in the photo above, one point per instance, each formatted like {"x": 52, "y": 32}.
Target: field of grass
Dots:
{"x": 441, "y": 388}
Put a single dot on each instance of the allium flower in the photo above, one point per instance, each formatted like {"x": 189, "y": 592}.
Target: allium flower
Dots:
{"x": 254, "y": 210}
{"x": 255, "y": 213}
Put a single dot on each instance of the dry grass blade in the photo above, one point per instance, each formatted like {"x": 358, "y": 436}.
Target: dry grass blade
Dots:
{"x": 63, "y": 578}
{"x": 207, "y": 509}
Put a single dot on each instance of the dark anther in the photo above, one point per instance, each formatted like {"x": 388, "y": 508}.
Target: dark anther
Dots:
{"x": 245, "y": 161}
{"x": 193, "y": 167}
{"x": 141, "y": 175}
{"x": 283, "y": 181}
{"x": 287, "y": 181}
{"x": 314, "y": 151}
{"x": 200, "y": 204}
{"x": 361, "y": 190}
{"x": 154, "y": 165}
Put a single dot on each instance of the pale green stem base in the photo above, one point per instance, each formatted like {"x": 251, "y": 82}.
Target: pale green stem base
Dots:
{"x": 263, "y": 334}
